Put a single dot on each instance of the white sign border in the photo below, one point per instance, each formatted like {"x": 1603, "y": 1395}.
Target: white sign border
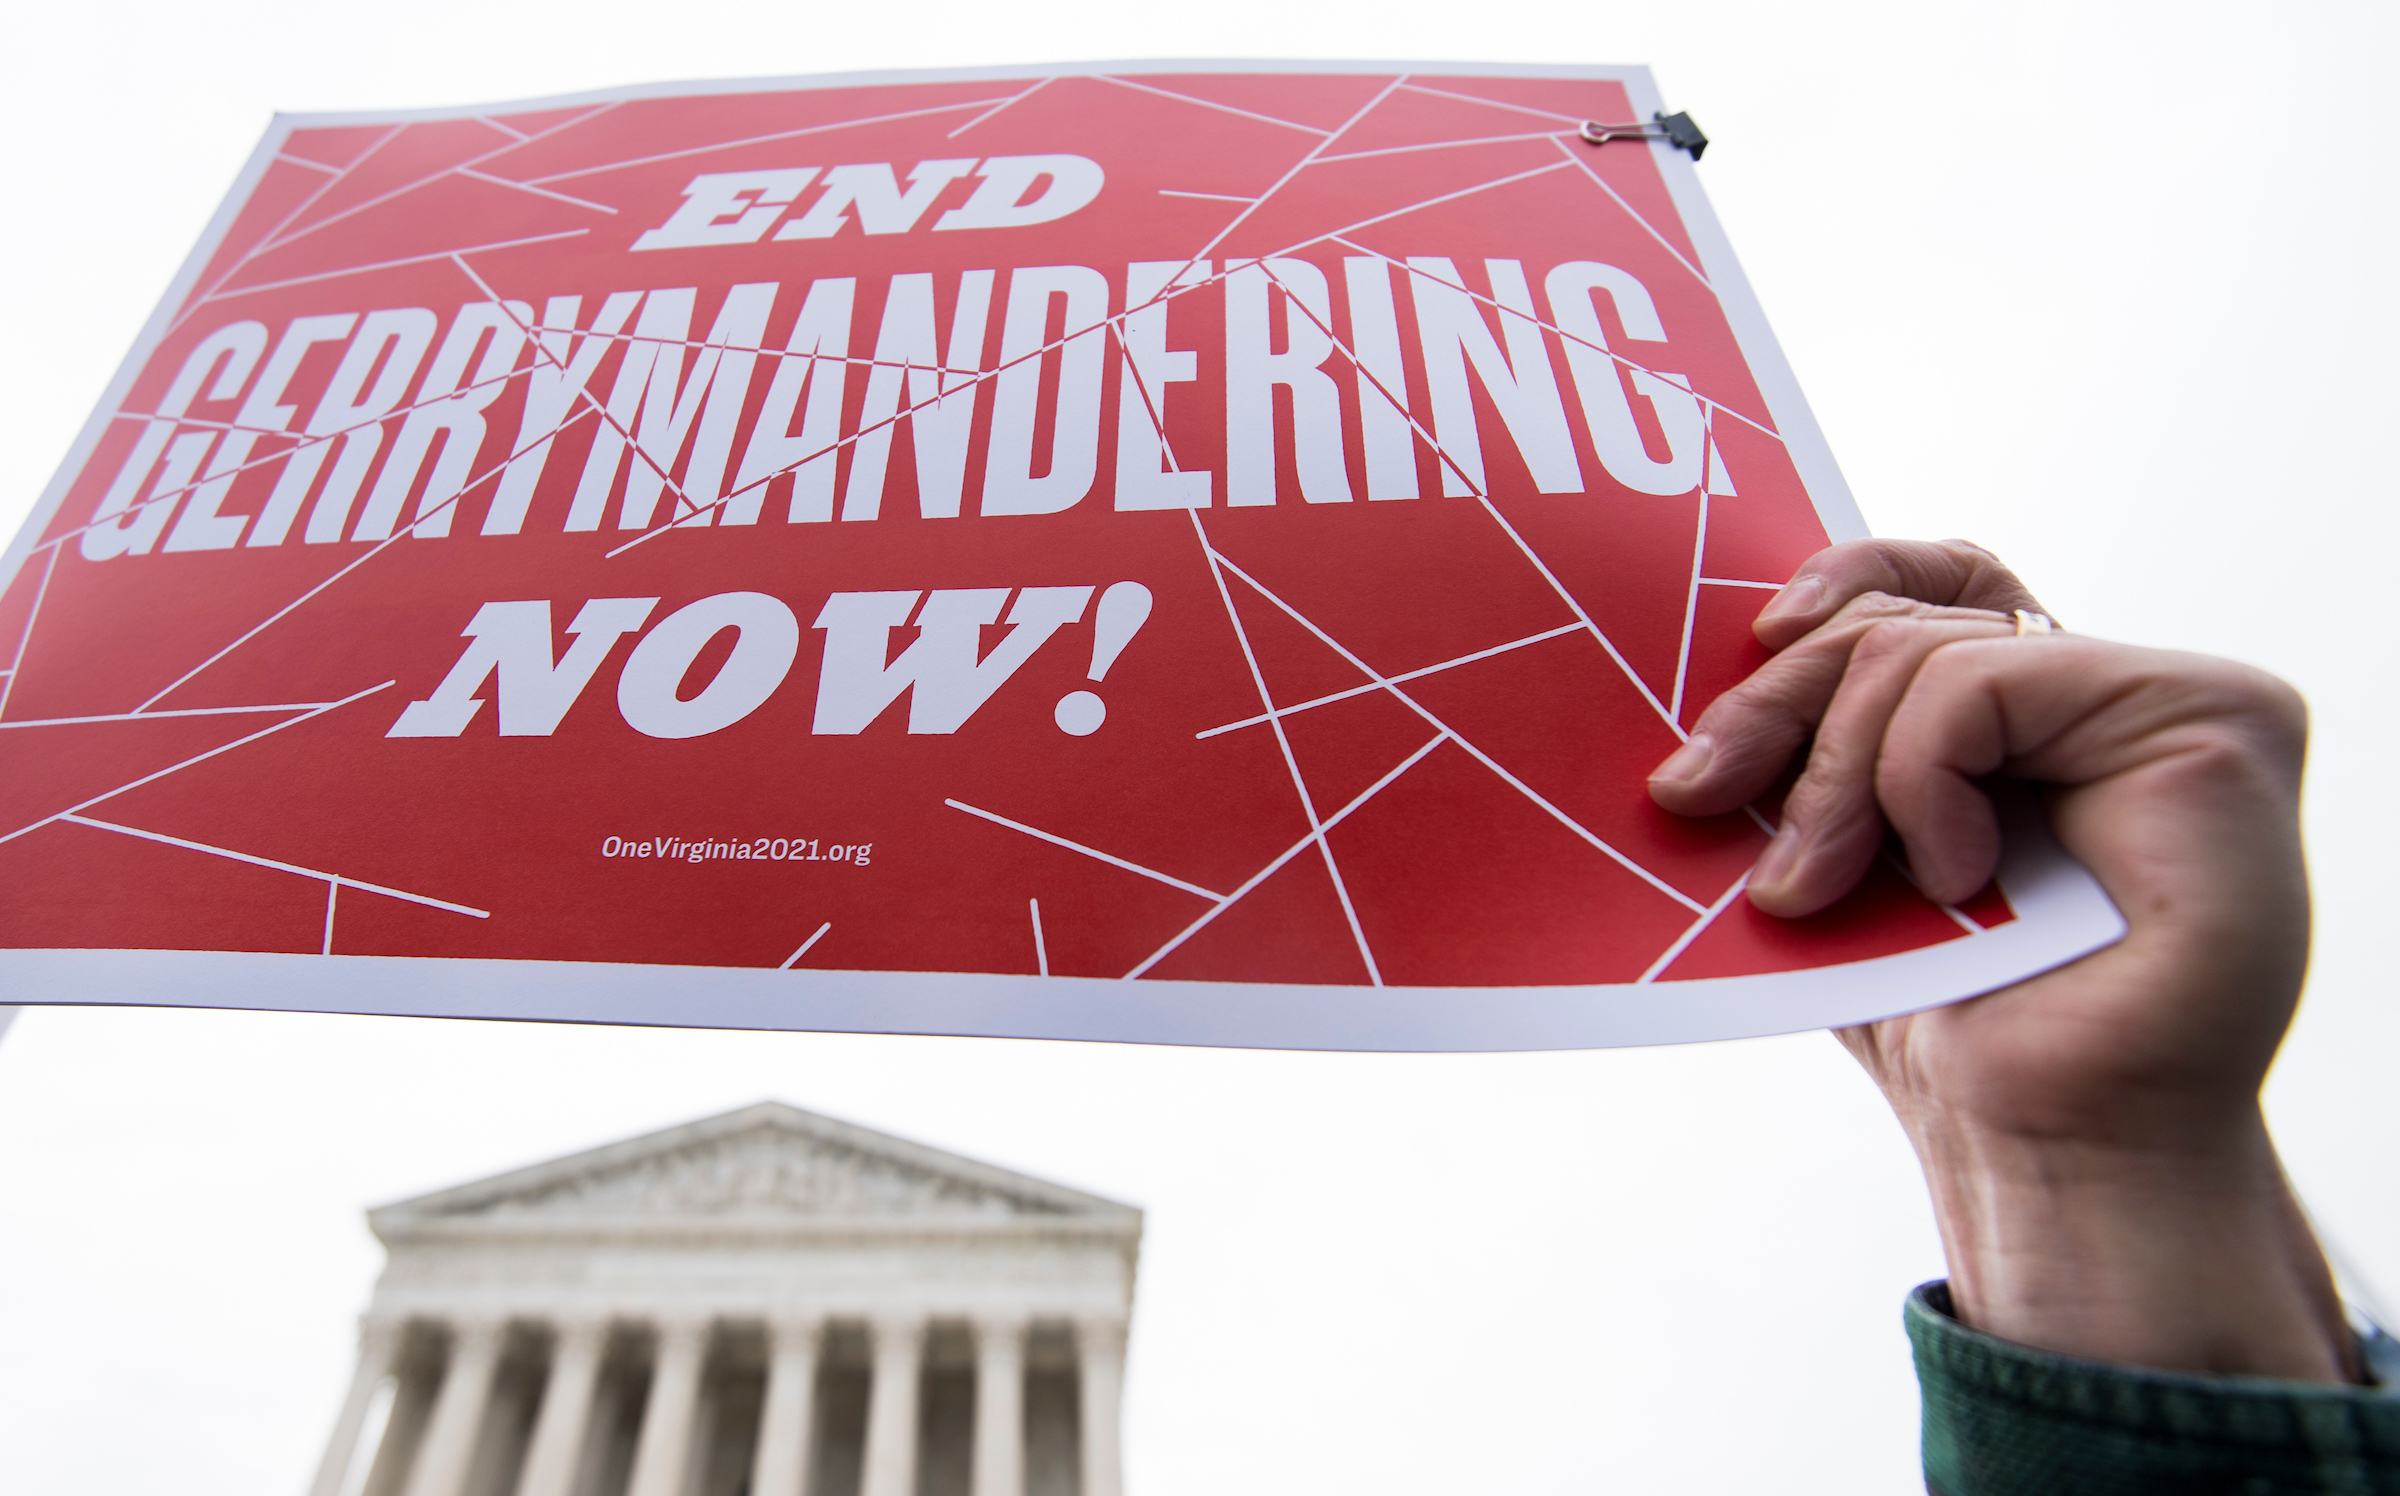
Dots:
{"x": 2062, "y": 912}
{"x": 2061, "y": 915}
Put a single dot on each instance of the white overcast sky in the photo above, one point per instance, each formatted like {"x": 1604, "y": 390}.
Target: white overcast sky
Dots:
{"x": 2106, "y": 287}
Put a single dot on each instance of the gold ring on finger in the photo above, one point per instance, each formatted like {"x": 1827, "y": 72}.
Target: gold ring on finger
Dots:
{"x": 2030, "y": 622}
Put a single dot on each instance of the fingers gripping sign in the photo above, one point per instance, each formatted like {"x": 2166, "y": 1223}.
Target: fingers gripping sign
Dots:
{"x": 1854, "y": 630}
{"x": 1945, "y": 573}
{"x": 1832, "y": 825}
{"x": 2091, "y": 1135}
{"x": 1842, "y": 682}
{"x": 1909, "y": 696}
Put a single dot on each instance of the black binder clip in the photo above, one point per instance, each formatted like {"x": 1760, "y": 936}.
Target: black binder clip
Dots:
{"x": 1675, "y": 129}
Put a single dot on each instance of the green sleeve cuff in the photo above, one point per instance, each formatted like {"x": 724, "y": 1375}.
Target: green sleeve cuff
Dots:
{"x": 2003, "y": 1419}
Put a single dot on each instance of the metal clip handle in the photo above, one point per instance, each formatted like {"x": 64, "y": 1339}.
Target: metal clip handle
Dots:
{"x": 1675, "y": 129}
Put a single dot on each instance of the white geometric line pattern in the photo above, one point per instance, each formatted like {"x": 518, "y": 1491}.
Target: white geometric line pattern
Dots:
{"x": 1443, "y": 93}
{"x": 1691, "y": 603}
{"x": 793, "y": 959}
{"x": 1316, "y": 837}
{"x": 16, "y": 661}
{"x": 795, "y": 134}
{"x": 1552, "y": 328}
{"x": 1315, "y": 151}
{"x": 1299, "y": 784}
{"x": 1174, "y": 290}
{"x": 1038, "y": 85}
{"x": 464, "y": 168}
{"x": 1443, "y": 145}
{"x": 1601, "y": 182}
{"x": 1510, "y": 779}
{"x": 189, "y": 711}
{"x": 276, "y": 237}
{"x": 197, "y": 758}
{"x": 1308, "y": 805}
{"x": 559, "y": 197}
{"x": 1475, "y": 490}
{"x": 1669, "y": 711}
{"x": 1692, "y": 932}
{"x": 1181, "y": 98}
{"x": 1092, "y": 852}
{"x": 297, "y": 441}
{"x": 339, "y": 176}
{"x": 1406, "y": 675}
{"x": 354, "y": 564}
{"x": 439, "y": 254}
{"x": 338, "y": 880}
{"x": 1958, "y": 916}
{"x": 1493, "y": 185}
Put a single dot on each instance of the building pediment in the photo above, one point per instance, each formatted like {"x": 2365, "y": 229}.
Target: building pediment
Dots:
{"x": 763, "y": 1163}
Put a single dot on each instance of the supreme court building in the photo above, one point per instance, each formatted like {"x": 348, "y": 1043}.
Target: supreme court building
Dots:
{"x": 766, "y": 1303}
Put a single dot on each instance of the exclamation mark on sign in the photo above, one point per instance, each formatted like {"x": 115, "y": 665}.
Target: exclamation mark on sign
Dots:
{"x": 1124, "y": 608}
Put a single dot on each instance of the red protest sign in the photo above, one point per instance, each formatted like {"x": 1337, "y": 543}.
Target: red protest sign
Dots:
{"x": 917, "y": 553}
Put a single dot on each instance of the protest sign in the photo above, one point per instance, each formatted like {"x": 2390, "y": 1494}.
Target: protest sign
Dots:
{"x": 1184, "y": 552}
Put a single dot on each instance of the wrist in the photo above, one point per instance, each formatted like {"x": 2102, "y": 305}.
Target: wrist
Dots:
{"x": 2189, "y": 1255}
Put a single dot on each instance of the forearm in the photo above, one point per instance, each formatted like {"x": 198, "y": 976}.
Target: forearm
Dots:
{"x": 2183, "y": 1258}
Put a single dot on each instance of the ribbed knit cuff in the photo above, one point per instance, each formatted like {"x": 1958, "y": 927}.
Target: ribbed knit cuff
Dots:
{"x": 2003, "y": 1419}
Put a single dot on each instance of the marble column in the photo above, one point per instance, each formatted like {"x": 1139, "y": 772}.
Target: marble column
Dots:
{"x": 566, "y": 1410}
{"x": 780, "y": 1466}
{"x": 1100, "y": 1358}
{"x": 999, "y": 1408}
{"x": 664, "y": 1445}
{"x": 891, "y": 1464}
{"x": 378, "y": 1351}
{"x": 440, "y": 1468}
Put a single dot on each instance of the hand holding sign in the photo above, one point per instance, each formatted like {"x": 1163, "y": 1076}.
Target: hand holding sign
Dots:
{"x": 2092, "y": 1136}
{"x": 1268, "y": 519}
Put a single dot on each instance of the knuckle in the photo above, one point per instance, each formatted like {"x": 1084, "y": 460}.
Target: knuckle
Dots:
{"x": 2281, "y": 698}
{"x": 1986, "y": 580}
{"x": 1752, "y": 761}
{"x": 1889, "y": 638}
{"x": 1891, "y": 779}
{"x": 1873, "y": 549}
{"x": 1756, "y": 706}
{"x": 1853, "y": 567}
{"x": 2274, "y": 707}
{"x": 1778, "y": 688}
{"x": 2232, "y": 764}
{"x": 1897, "y": 776}
{"x": 2292, "y": 714}
{"x": 1874, "y": 604}
{"x": 1956, "y": 651}
{"x": 1746, "y": 696}
{"x": 1843, "y": 549}
{"x": 1811, "y": 796}
{"x": 1836, "y": 807}
{"x": 1969, "y": 550}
